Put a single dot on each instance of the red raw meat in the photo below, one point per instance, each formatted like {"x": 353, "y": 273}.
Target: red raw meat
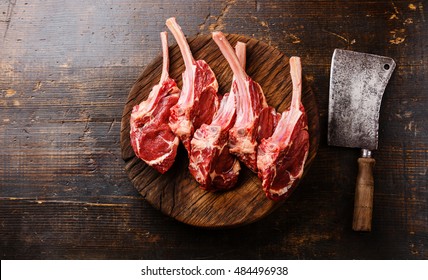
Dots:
{"x": 267, "y": 122}
{"x": 151, "y": 137}
{"x": 211, "y": 164}
{"x": 250, "y": 101}
{"x": 281, "y": 157}
{"x": 198, "y": 100}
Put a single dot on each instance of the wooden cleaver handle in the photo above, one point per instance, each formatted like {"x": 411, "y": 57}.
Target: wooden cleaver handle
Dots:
{"x": 363, "y": 204}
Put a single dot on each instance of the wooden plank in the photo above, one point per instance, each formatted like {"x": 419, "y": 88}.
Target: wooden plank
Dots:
{"x": 65, "y": 72}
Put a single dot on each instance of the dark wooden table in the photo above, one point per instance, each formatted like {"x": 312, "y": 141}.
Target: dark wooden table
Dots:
{"x": 66, "y": 68}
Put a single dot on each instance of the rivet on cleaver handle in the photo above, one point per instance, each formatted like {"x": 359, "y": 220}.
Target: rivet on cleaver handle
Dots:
{"x": 357, "y": 84}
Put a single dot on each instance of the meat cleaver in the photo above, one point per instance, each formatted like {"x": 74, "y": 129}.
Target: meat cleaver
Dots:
{"x": 357, "y": 84}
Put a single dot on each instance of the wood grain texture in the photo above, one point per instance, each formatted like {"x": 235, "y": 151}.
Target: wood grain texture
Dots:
{"x": 363, "y": 203}
{"x": 176, "y": 193}
{"x": 67, "y": 67}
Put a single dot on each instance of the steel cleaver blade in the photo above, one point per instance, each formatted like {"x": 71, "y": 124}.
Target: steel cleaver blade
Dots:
{"x": 357, "y": 83}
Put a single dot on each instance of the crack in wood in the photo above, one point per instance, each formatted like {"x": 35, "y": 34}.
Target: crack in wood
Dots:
{"x": 343, "y": 38}
{"x": 111, "y": 125}
{"x": 204, "y": 22}
{"x": 9, "y": 14}
{"x": 63, "y": 201}
{"x": 219, "y": 24}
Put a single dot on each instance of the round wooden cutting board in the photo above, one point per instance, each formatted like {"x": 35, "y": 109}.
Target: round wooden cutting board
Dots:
{"x": 176, "y": 193}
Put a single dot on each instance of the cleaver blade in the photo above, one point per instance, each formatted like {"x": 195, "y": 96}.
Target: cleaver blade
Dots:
{"x": 357, "y": 83}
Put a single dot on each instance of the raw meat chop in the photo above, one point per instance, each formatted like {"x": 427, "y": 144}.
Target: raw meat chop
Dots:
{"x": 151, "y": 137}
{"x": 211, "y": 164}
{"x": 281, "y": 157}
{"x": 198, "y": 100}
{"x": 250, "y": 103}
{"x": 266, "y": 123}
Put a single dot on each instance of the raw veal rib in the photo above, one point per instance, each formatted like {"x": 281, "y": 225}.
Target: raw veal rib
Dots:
{"x": 151, "y": 137}
{"x": 198, "y": 100}
{"x": 281, "y": 157}
{"x": 250, "y": 102}
{"x": 211, "y": 164}
{"x": 267, "y": 122}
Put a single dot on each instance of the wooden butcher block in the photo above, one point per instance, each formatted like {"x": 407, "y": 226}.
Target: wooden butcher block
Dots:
{"x": 176, "y": 193}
